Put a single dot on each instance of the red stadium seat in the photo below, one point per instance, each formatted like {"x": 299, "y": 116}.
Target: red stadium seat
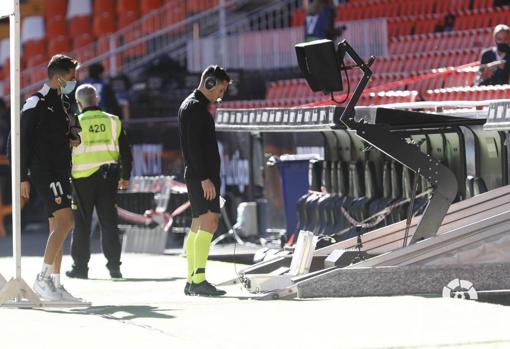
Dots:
{"x": 500, "y": 15}
{"x": 82, "y": 40}
{"x": 85, "y": 52}
{"x": 104, "y": 6}
{"x": 124, "y": 6}
{"x": 80, "y": 25}
{"x": 34, "y": 47}
{"x": 152, "y": 24}
{"x": 59, "y": 44}
{"x": 298, "y": 18}
{"x": 482, "y": 3}
{"x": 56, "y": 26}
{"x": 193, "y": 6}
{"x": 36, "y": 60}
{"x": 176, "y": 13}
{"x": 127, "y": 18}
{"x": 55, "y": 8}
{"x": 104, "y": 24}
{"x": 150, "y": 5}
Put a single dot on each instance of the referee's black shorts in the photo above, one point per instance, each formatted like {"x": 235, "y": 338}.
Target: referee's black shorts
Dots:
{"x": 199, "y": 204}
{"x": 54, "y": 189}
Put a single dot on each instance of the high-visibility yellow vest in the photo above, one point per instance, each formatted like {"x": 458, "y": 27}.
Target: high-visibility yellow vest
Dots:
{"x": 99, "y": 134}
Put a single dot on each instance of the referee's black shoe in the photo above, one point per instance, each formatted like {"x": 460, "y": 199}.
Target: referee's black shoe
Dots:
{"x": 186, "y": 289}
{"x": 204, "y": 288}
{"x": 77, "y": 273}
{"x": 115, "y": 273}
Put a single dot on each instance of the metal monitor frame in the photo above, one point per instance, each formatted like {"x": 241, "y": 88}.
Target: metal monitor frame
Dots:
{"x": 442, "y": 180}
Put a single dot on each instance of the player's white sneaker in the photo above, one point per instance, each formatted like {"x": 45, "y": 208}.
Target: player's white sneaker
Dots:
{"x": 66, "y": 296}
{"x": 46, "y": 289}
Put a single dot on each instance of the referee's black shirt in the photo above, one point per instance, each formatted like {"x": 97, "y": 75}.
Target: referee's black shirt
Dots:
{"x": 198, "y": 139}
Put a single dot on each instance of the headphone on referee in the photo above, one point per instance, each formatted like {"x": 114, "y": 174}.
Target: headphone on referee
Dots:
{"x": 211, "y": 81}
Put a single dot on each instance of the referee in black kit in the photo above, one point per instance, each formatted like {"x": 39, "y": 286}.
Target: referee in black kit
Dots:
{"x": 202, "y": 174}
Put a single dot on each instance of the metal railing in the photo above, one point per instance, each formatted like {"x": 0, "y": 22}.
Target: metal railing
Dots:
{"x": 271, "y": 49}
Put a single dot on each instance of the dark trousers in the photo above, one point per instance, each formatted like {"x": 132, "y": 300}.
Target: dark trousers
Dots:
{"x": 99, "y": 192}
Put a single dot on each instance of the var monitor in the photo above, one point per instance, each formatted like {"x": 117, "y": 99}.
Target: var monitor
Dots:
{"x": 320, "y": 66}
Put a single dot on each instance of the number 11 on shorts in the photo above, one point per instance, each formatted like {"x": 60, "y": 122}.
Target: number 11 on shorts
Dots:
{"x": 57, "y": 189}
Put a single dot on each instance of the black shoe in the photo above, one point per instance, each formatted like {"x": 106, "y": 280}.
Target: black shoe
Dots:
{"x": 77, "y": 273}
{"x": 205, "y": 289}
{"x": 186, "y": 289}
{"x": 115, "y": 273}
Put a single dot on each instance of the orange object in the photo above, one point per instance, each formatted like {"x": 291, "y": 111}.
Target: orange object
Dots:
{"x": 104, "y": 24}
{"x": 80, "y": 25}
{"x": 298, "y": 18}
{"x": 104, "y": 6}
{"x": 36, "y": 60}
{"x": 55, "y": 8}
{"x": 34, "y": 47}
{"x": 127, "y": 18}
{"x": 82, "y": 40}
{"x": 176, "y": 13}
{"x": 151, "y": 24}
{"x": 6, "y": 67}
{"x": 56, "y": 26}
{"x": 124, "y": 6}
{"x": 150, "y": 5}
{"x": 59, "y": 44}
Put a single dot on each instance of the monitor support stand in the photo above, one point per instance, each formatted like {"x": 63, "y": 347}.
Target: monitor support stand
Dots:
{"x": 442, "y": 180}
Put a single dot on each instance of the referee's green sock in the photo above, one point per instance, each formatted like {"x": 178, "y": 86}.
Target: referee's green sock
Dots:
{"x": 190, "y": 254}
{"x": 202, "y": 244}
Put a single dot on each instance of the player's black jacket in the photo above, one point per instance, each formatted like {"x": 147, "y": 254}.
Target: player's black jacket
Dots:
{"x": 198, "y": 139}
{"x": 45, "y": 133}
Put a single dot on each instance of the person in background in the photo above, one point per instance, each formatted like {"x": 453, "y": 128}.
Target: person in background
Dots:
{"x": 447, "y": 25}
{"x": 320, "y": 21}
{"x": 103, "y": 156}
{"x": 499, "y": 3}
{"x": 5, "y": 125}
{"x": 107, "y": 99}
{"x": 495, "y": 61}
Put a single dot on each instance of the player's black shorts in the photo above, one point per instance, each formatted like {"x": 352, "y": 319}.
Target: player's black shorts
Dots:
{"x": 54, "y": 189}
{"x": 199, "y": 205}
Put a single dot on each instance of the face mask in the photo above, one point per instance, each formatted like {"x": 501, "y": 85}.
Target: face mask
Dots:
{"x": 68, "y": 87}
{"x": 503, "y": 47}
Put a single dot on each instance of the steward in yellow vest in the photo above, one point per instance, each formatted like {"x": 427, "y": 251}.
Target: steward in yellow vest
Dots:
{"x": 101, "y": 164}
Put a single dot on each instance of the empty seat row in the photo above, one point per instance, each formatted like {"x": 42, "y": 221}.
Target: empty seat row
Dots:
{"x": 367, "y": 99}
{"x": 469, "y": 93}
{"x": 383, "y": 8}
{"x": 480, "y": 18}
{"x": 456, "y": 40}
{"x": 425, "y": 61}
{"x": 426, "y": 14}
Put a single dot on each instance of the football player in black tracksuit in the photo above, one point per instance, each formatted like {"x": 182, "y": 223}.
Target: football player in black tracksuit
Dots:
{"x": 48, "y": 132}
{"x": 202, "y": 175}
